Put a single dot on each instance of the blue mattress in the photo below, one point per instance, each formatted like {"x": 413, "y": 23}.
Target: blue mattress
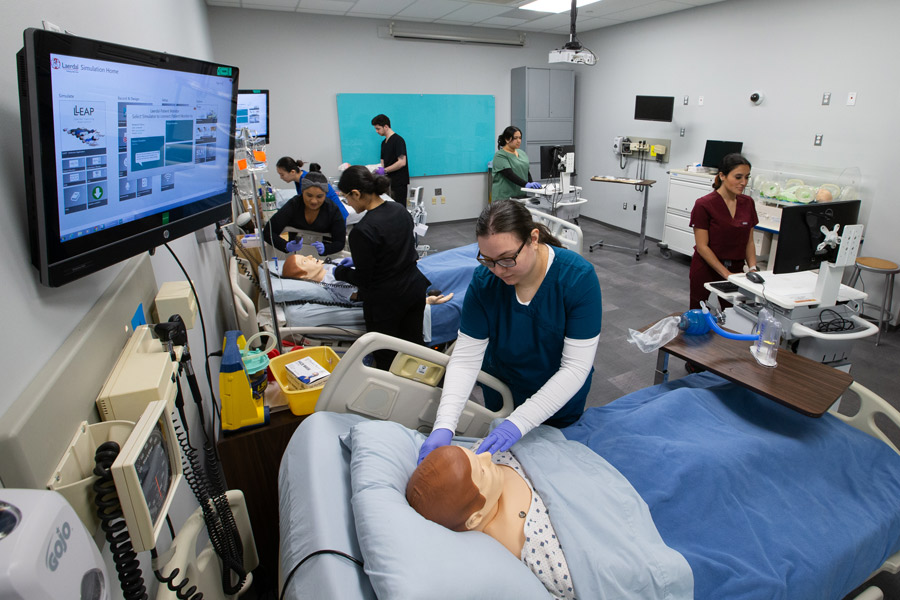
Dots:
{"x": 762, "y": 501}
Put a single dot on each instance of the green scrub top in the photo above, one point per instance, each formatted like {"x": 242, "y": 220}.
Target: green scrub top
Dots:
{"x": 501, "y": 187}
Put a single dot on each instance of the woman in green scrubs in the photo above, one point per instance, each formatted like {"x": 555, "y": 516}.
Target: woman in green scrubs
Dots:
{"x": 509, "y": 173}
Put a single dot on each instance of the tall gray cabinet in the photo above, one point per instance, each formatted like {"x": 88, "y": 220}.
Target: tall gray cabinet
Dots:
{"x": 543, "y": 107}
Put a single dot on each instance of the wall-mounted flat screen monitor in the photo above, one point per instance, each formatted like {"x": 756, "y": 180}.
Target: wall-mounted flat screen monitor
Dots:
{"x": 800, "y": 233}
{"x": 125, "y": 149}
{"x": 716, "y": 150}
{"x": 550, "y": 157}
{"x": 253, "y": 113}
{"x": 654, "y": 108}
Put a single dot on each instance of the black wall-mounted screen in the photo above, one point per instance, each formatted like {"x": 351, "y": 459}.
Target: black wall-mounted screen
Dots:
{"x": 125, "y": 149}
{"x": 716, "y": 150}
{"x": 800, "y": 233}
{"x": 253, "y": 113}
{"x": 654, "y": 108}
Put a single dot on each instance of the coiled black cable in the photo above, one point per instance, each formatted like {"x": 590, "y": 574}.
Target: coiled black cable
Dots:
{"x": 220, "y": 525}
{"x": 109, "y": 510}
{"x": 180, "y": 593}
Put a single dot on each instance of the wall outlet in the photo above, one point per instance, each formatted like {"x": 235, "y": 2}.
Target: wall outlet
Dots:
{"x": 699, "y": 100}
{"x": 634, "y": 207}
{"x": 685, "y": 100}
{"x": 433, "y": 200}
{"x": 624, "y": 206}
{"x": 818, "y": 140}
{"x": 443, "y": 200}
{"x": 851, "y": 98}
{"x": 826, "y": 98}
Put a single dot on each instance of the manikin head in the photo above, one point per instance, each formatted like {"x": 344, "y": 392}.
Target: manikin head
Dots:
{"x": 297, "y": 266}
{"x": 456, "y": 488}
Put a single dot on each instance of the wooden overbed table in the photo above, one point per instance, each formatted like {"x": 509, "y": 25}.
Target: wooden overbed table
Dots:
{"x": 797, "y": 382}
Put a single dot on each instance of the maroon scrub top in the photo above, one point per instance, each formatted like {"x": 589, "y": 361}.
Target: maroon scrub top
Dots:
{"x": 727, "y": 238}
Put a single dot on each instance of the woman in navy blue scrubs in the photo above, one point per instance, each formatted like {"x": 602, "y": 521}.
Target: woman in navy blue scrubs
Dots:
{"x": 531, "y": 318}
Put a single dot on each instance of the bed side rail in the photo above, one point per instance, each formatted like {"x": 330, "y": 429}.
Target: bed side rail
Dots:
{"x": 870, "y": 405}
{"x": 411, "y": 399}
{"x": 568, "y": 233}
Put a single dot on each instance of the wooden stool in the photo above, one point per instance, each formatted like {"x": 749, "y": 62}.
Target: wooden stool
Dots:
{"x": 882, "y": 267}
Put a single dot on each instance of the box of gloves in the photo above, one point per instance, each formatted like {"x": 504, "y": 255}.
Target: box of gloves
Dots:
{"x": 302, "y": 374}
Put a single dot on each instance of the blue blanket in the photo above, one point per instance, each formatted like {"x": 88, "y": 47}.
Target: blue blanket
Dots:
{"x": 611, "y": 545}
{"x": 449, "y": 271}
{"x": 762, "y": 501}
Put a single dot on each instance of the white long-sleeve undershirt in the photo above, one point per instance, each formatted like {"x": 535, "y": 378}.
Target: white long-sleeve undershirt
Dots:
{"x": 462, "y": 371}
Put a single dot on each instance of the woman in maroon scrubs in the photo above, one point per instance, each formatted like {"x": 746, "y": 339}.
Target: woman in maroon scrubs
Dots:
{"x": 723, "y": 221}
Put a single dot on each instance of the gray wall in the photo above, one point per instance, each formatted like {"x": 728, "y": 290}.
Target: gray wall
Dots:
{"x": 793, "y": 51}
{"x": 305, "y": 60}
{"x": 37, "y": 319}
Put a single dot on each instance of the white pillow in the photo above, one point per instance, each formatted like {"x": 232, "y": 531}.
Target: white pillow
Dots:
{"x": 408, "y": 556}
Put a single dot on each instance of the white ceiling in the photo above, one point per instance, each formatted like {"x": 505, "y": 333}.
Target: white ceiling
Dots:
{"x": 496, "y": 14}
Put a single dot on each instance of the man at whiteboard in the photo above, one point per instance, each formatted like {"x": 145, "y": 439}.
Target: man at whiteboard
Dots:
{"x": 393, "y": 158}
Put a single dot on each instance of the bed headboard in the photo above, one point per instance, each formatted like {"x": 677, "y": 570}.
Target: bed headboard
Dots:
{"x": 37, "y": 428}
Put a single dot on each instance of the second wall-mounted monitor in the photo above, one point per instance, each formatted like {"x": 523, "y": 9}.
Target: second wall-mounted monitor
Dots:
{"x": 253, "y": 112}
{"x": 654, "y": 108}
{"x": 716, "y": 150}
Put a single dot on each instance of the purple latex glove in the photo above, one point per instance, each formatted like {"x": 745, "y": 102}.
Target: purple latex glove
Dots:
{"x": 294, "y": 245}
{"x": 319, "y": 246}
{"x": 533, "y": 185}
{"x": 501, "y": 438}
{"x": 346, "y": 262}
{"x": 436, "y": 439}
{"x": 379, "y": 171}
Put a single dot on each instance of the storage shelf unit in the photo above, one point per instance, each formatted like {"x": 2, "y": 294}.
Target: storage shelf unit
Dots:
{"x": 543, "y": 107}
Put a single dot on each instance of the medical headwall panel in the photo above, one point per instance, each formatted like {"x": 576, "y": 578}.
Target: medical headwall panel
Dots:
{"x": 445, "y": 134}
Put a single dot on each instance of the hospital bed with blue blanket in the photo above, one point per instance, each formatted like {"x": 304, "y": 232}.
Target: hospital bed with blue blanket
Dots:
{"x": 693, "y": 488}
{"x": 308, "y": 310}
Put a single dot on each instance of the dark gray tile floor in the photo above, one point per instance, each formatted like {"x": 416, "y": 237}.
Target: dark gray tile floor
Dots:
{"x": 637, "y": 293}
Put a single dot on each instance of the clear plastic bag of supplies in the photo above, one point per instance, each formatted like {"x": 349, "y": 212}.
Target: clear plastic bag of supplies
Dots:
{"x": 654, "y": 338}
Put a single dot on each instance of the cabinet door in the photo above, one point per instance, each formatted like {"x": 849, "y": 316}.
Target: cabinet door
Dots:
{"x": 562, "y": 94}
{"x": 538, "y": 83}
{"x": 682, "y": 196}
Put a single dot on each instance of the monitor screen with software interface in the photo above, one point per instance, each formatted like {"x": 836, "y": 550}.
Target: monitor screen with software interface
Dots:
{"x": 125, "y": 149}
{"x": 800, "y": 233}
{"x": 716, "y": 150}
{"x": 253, "y": 113}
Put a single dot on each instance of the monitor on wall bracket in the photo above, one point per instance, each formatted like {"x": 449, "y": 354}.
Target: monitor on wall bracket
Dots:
{"x": 124, "y": 150}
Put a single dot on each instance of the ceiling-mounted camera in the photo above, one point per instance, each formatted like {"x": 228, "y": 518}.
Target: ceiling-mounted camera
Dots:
{"x": 757, "y": 98}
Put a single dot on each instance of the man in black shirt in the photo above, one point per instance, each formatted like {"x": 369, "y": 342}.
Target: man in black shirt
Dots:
{"x": 393, "y": 158}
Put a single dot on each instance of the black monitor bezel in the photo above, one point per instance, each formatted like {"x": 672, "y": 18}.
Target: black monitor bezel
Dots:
{"x": 548, "y": 153}
{"x": 654, "y": 108}
{"x": 61, "y": 262}
{"x": 735, "y": 148}
{"x": 796, "y": 241}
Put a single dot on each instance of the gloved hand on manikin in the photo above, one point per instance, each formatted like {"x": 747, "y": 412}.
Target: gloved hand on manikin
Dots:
{"x": 295, "y": 245}
{"x": 436, "y": 439}
{"x": 501, "y": 438}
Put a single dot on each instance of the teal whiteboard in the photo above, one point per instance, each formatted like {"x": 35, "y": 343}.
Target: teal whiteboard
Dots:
{"x": 445, "y": 134}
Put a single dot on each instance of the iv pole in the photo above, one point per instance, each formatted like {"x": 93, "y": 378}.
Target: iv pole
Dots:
{"x": 254, "y": 165}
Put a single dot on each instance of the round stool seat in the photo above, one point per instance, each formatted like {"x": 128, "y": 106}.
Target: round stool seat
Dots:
{"x": 870, "y": 263}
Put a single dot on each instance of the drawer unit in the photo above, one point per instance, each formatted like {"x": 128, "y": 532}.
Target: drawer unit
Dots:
{"x": 684, "y": 189}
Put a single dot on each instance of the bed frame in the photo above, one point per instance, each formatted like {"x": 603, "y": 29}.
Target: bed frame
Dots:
{"x": 398, "y": 396}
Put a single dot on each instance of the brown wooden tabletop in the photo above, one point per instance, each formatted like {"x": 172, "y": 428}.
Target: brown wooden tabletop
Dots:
{"x": 797, "y": 382}
{"x": 623, "y": 180}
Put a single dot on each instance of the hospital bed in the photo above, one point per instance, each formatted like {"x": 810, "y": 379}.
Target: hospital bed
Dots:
{"x": 760, "y": 501}
{"x": 306, "y": 312}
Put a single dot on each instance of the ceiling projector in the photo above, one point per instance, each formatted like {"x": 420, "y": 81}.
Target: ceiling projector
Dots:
{"x": 578, "y": 56}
